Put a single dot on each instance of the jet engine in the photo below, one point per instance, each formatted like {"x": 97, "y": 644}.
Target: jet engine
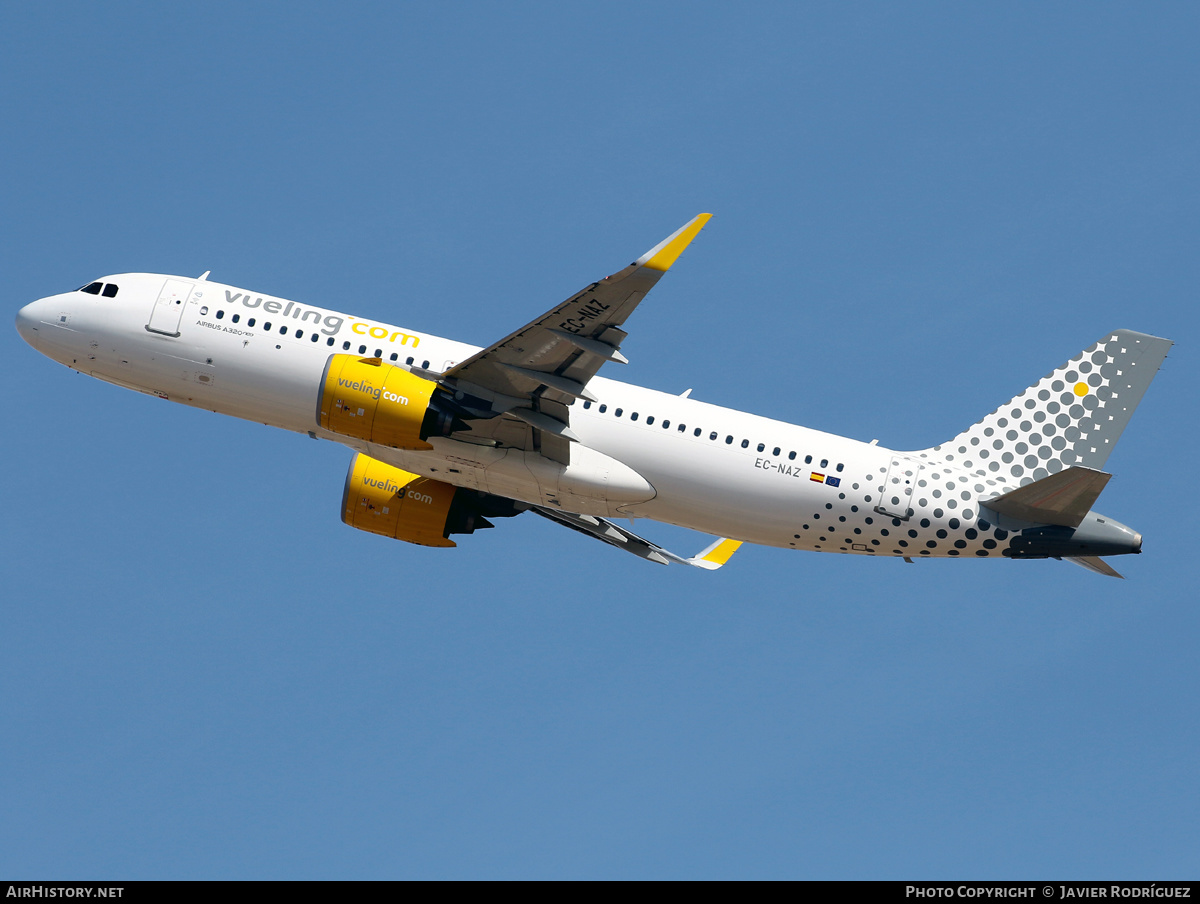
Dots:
{"x": 395, "y": 503}
{"x": 381, "y": 403}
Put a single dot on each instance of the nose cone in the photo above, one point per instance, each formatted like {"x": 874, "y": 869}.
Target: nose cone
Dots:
{"x": 28, "y": 320}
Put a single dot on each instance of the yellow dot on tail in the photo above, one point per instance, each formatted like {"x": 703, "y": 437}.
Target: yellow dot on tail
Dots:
{"x": 1081, "y": 389}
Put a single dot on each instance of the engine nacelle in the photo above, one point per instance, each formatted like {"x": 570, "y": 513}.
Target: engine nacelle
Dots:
{"x": 381, "y": 403}
{"x": 389, "y": 501}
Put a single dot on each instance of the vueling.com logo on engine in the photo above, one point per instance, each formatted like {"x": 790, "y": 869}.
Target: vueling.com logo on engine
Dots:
{"x": 390, "y": 486}
{"x": 369, "y": 389}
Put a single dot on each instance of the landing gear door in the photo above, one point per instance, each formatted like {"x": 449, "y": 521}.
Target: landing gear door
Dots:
{"x": 168, "y": 310}
{"x": 896, "y": 497}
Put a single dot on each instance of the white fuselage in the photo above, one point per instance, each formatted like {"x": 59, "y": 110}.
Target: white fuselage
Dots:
{"x": 713, "y": 469}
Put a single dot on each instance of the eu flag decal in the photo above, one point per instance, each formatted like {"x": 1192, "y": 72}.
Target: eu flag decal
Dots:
{"x": 833, "y": 481}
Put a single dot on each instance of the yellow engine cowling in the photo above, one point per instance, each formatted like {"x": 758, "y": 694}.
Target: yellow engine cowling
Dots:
{"x": 386, "y": 500}
{"x": 367, "y": 399}
{"x": 395, "y": 503}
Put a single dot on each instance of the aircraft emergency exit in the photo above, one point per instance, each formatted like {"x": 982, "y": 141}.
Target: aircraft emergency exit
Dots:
{"x": 450, "y": 437}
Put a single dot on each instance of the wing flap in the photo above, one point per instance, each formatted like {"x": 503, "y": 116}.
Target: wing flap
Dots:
{"x": 710, "y": 559}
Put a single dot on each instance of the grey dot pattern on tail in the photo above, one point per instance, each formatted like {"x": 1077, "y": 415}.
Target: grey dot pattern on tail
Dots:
{"x": 1072, "y": 416}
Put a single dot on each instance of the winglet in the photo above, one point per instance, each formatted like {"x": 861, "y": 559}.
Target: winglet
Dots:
{"x": 666, "y": 252}
{"x": 716, "y": 555}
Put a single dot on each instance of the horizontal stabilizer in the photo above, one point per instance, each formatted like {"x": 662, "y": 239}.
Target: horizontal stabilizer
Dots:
{"x": 1063, "y": 498}
{"x": 613, "y": 534}
{"x": 1096, "y": 564}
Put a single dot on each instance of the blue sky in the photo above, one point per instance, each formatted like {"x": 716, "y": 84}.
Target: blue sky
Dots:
{"x": 919, "y": 210}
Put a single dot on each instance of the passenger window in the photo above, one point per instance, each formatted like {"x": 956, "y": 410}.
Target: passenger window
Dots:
{"x": 283, "y": 331}
{"x": 110, "y": 291}
{"x": 776, "y": 452}
{"x": 824, "y": 462}
{"x": 791, "y": 456}
{"x": 394, "y": 357}
{"x": 587, "y": 404}
{"x": 362, "y": 349}
{"x": 345, "y": 346}
{"x": 204, "y": 311}
{"x": 236, "y": 317}
{"x": 220, "y": 315}
{"x": 633, "y": 417}
{"x": 330, "y": 342}
{"x": 761, "y": 447}
{"x": 603, "y": 408}
{"x": 808, "y": 459}
{"x": 683, "y": 428}
{"x": 316, "y": 338}
{"x": 666, "y": 425}
{"x": 250, "y": 322}
{"x": 713, "y": 435}
{"x": 839, "y": 467}
{"x": 299, "y": 334}
{"x": 267, "y": 326}
{"x": 650, "y": 420}
{"x": 617, "y": 413}
{"x": 92, "y": 289}
{"x": 728, "y": 440}
{"x": 409, "y": 362}
{"x": 425, "y": 364}
{"x": 378, "y": 353}
{"x": 696, "y": 432}
{"x": 745, "y": 444}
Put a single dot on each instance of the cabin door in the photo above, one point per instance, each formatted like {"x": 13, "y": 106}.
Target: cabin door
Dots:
{"x": 898, "y": 488}
{"x": 167, "y": 312}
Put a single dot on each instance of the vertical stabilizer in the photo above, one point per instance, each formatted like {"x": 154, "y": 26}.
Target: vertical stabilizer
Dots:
{"x": 1072, "y": 417}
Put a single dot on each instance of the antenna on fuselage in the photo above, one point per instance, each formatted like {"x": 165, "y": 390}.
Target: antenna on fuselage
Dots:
{"x": 204, "y": 275}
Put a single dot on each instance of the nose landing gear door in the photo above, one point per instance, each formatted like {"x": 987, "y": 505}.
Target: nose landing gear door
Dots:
{"x": 168, "y": 309}
{"x": 896, "y": 497}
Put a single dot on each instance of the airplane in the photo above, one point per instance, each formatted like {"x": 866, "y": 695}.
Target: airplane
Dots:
{"x": 449, "y": 437}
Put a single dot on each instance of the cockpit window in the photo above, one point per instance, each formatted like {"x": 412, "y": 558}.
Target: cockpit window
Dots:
{"x": 92, "y": 288}
{"x": 110, "y": 291}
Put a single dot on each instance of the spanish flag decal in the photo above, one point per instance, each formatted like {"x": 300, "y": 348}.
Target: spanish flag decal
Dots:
{"x": 817, "y": 478}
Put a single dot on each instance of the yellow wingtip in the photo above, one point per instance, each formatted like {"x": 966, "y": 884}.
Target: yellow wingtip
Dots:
{"x": 722, "y": 552}
{"x": 664, "y": 254}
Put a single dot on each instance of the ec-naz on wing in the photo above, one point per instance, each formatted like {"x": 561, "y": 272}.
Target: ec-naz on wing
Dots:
{"x": 531, "y": 376}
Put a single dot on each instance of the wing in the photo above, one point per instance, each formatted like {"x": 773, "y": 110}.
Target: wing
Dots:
{"x": 710, "y": 558}
{"x": 517, "y": 391}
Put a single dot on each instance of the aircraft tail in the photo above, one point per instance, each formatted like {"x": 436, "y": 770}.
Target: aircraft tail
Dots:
{"x": 1072, "y": 417}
